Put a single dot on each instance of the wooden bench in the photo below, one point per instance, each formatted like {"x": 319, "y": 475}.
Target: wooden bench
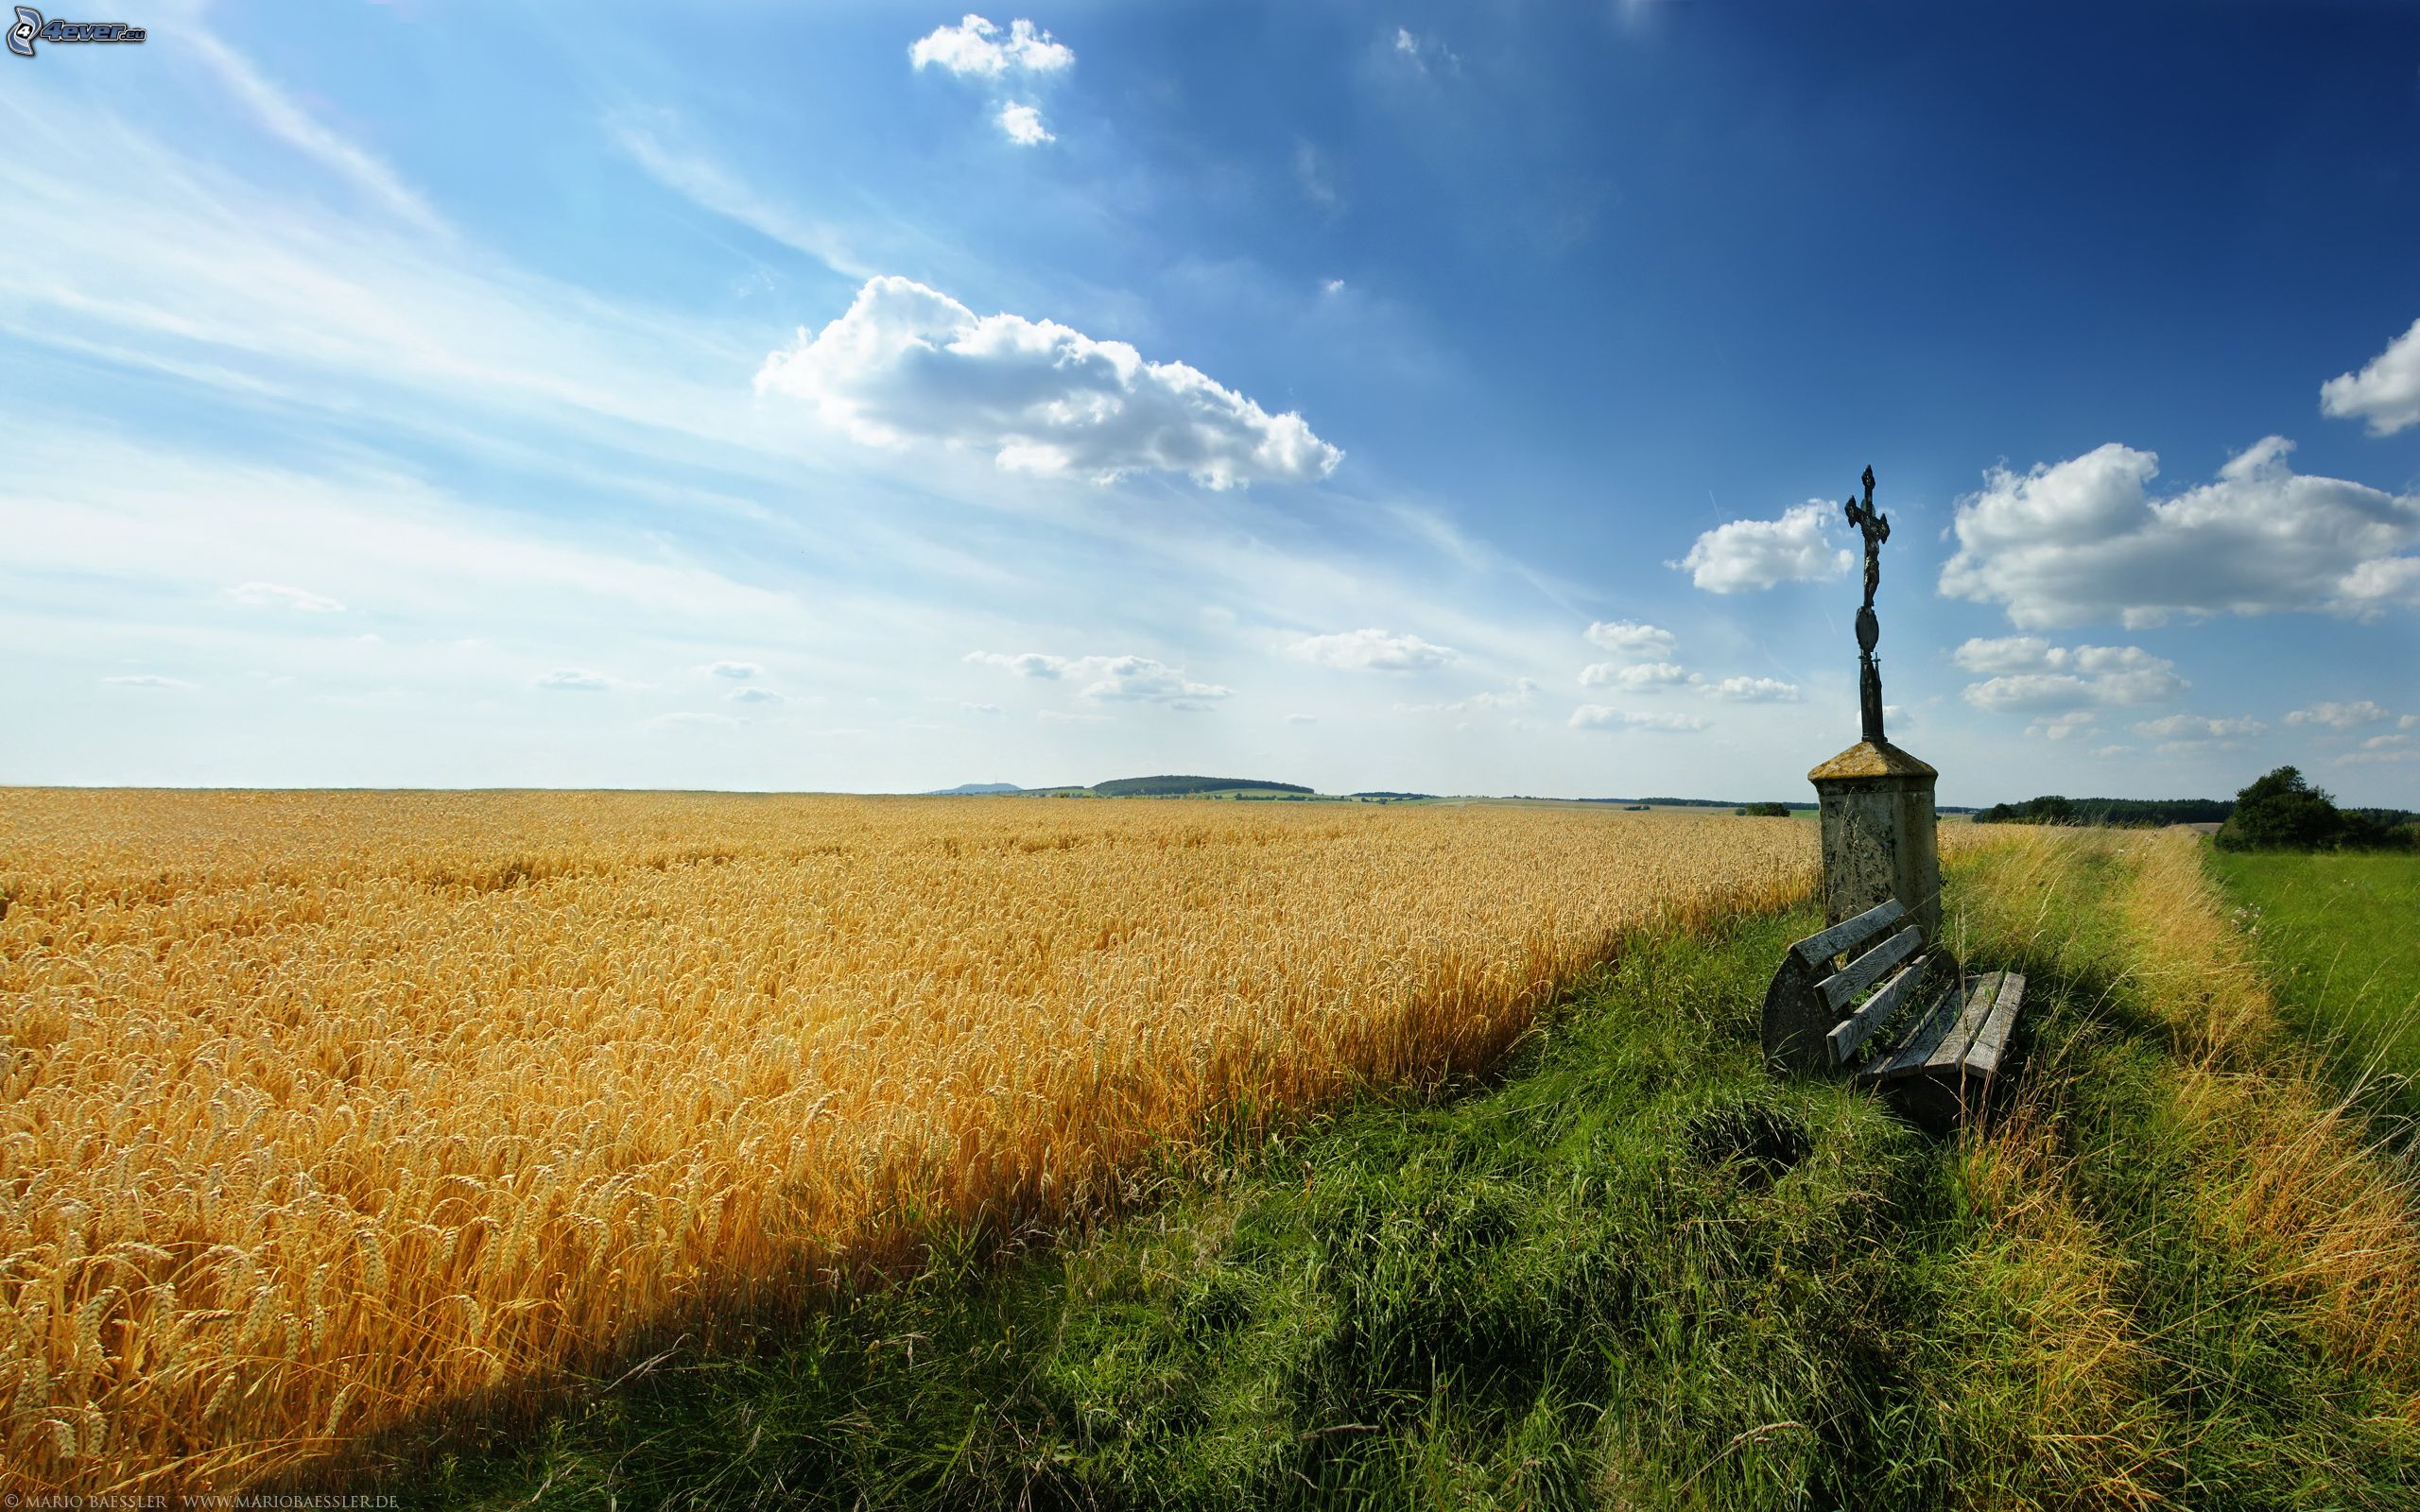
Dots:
{"x": 1865, "y": 999}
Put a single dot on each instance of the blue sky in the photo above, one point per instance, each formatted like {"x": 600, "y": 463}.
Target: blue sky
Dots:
{"x": 1456, "y": 398}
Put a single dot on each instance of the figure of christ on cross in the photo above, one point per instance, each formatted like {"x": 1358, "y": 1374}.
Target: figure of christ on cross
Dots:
{"x": 1875, "y": 526}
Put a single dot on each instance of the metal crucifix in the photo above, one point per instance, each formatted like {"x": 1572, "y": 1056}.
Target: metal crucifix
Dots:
{"x": 1875, "y": 526}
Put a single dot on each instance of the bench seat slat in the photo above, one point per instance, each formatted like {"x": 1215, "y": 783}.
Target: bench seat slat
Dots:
{"x": 1853, "y": 978}
{"x": 1983, "y": 1060}
{"x": 1941, "y": 1022}
{"x": 1849, "y": 933}
{"x": 1951, "y": 1052}
{"x": 1853, "y": 1031}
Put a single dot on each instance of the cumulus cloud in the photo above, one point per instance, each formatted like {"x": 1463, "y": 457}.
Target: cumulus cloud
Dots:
{"x": 1522, "y": 692}
{"x": 976, "y": 48}
{"x": 279, "y": 595}
{"x": 2187, "y": 732}
{"x": 2341, "y": 715}
{"x": 2382, "y": 749}
{"x": 2386, "y": 393}
{"x": 1372, "y": 650}
{"x": 986, "y": 709}
{"x": 1632, "y": 640}
{"x": 574, "y": 679}
{"x": 145, "y": 680}
{"x": 2084, "y": 538}
{"x": 2038, "y": 677}
{"x": 1022, "y": 124}
{"x": 1109, "y": 679}
{"x": 736, "y": 671}
{"x": 908, "y": 364}
{"x": 1762, "y": 553}
{"x": 753, "y": 695}
{"x": 2063, "y": 727}
{"x": 1642, "y": 674}
{"x": 1756, "y": 690}
{"x": 1599, "y": 716}
{"x": 1301, "y": 719}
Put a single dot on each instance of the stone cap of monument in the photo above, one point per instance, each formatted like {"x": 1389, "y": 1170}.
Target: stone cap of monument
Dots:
{"x": 1872, "y": 758}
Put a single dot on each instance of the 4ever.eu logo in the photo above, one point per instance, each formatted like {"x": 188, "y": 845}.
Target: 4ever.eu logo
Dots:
{"x": 30, "y": 28}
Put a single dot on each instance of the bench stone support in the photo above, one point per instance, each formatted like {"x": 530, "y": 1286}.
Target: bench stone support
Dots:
{"x": 1875, "y": 806}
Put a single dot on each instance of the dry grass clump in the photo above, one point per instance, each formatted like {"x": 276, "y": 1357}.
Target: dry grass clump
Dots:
{"x": 2296, "y": 1180}
{"x": 318, "y": 1109}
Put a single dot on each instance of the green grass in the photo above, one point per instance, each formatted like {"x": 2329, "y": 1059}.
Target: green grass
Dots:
{"x": 2339, "y": 936}
{"x": 1632, "y": 1270}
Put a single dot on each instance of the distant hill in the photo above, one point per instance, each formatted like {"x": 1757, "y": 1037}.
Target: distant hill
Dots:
{"x": 1176, "y": 787}
{"x": 1384, "y": 793}
{"x": 967, "y": 788}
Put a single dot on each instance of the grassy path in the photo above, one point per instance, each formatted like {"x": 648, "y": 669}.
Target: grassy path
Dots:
{"x": 1634, "y": 1271}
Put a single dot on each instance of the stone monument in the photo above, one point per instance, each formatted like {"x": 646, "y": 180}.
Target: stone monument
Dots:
{"x": 1876, "y": 800}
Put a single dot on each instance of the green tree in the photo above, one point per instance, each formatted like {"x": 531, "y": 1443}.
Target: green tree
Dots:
{"x": 2282, "y": 812}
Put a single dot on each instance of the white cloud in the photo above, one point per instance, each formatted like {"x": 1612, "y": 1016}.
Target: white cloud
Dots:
{"x": 1522, "y": 692}
{"x": 736, "y": 671}
{"x": 281, "y": 117}
{"x": 2107, "y": 751}
{"x": 976, "y": 48}
{"x": 145, "y": 679}
{"x": 2382, "y": 749}
{"x": 574, "y": 679}
{"x": 2184, "y": 733}
{"x": 279, "y": 595}
{"x": 1332, "y": 285}
{"x": 1757, "y": 689}
{"x": 1423, "y": 52}
{"x": 2340, "y": 715}
{"x": 1022, "y": 124}
{"x": 2084, "y": 538}
{"x": 1315, "y": 177}
{"x": 2013, "y": 653}
{"x": 1632, "y": 640}
{"x": 1372, "y": 650}
{"x": 1644, "y": 674}
{"x": 686, "y": 720}
{"x": 1109, "y": 679}
{"x": 2063, "y": 727}
{"x": 654, "y": 143}
{"x": 1025, "y": 663}
{"x": 753, "y": 695}
{"x": 2039, "y": 677}
{"x": 1760, "y": 553}
{"x": 1599, "y": 716}
{"x": 1301, "y": 719}
{"x": 2386, "y": 392}
{"x": 985, "y": 709}
{"x": 908, "y": 363}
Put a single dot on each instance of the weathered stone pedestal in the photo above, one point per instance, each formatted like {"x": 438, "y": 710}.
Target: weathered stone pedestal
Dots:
{"x": 1876, "y": 801}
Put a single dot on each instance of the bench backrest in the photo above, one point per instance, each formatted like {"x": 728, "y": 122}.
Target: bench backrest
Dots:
{"x": 1814, "y": 1018}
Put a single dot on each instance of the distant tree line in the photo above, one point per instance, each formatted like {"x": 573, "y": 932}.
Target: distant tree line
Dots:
{"x": 1764, "y": 811}
{"x": 2121, "y": 811}
{"x": 1173, "y": 786}
{"x": 2280, "y": 811}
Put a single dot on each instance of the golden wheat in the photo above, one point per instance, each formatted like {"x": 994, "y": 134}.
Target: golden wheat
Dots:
{"x": 317, "y": 1110}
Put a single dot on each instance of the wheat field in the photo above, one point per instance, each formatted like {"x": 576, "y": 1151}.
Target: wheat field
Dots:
{"x": 320, "y": 1111}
